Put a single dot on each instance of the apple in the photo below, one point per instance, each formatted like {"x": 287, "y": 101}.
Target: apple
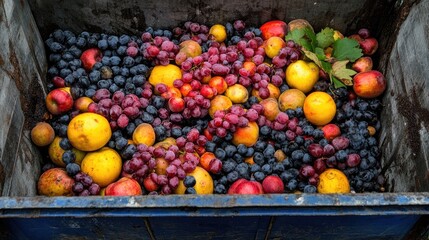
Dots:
{"x": 81, "y": 104}
{"x": 207, "y": 91}
{"x": 244, "y": 186}
{"x": 369, "y": 84}
{"x": 58, "y": 82}
{"x": 123, "y": 187}
{"x": 89, "y": 57}
{"x": 273, "y": 184}
{"x": 362, "y": 64}
{"x": 59, "y": 101}
{"x": 302, "y": 75}
{"x": 369, "y": 46}
{"x": 176, "y": 104}
{"x": 272, "y": 28}
{"x": 331, "y": 131}
{"x": 55, "y": 182}
{"x": 299, "y": 24}
{"x": 189, "y": 48}
{"x": 149, "y": 184}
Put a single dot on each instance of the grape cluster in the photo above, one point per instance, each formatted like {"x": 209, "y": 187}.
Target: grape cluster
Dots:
{"x": 225, "y": 122}
{"x": 159, "y": 49}
{"x": 84, "y": 186}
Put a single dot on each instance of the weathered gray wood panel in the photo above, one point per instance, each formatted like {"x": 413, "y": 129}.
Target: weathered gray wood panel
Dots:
{"x": 22, "y": 71}
{"x": 405, "y": 135}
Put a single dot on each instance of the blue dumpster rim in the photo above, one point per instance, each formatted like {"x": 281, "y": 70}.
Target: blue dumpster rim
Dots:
{"x": 218, "y": 205}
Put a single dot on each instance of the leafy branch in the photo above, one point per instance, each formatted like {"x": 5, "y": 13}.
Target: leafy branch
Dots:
{"x": 344, "y": 51}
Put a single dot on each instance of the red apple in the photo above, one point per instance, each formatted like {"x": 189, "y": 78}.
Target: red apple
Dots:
{"x": 176, "y": 104}
{"x": 89, "y": 57}
{"x": 58, "y": 82}
{"x": 233, "y": 188}
{"x": 207, "y": 91}
{"x": 273, "y": 184}
{"x": 369, "y": 46}
{"x": 249, "y": 187}
{"x": 331, "y": 131}
{"x": 243, "y": 186}
{"x": 150, "y": 185}
{"x": 369, "y": 84}
{"x": 272, "y": 28}
{"x": 59, "y": 101}
{"x": 363, "y": 64}
{"x": 123, "y": 187}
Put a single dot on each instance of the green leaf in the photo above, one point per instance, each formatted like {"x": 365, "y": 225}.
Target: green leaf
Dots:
{"x": 312, "y": 37}
{"x": 304, "y": 37}
{"x": 325, "y": 37}
{"x": 320, "y": 53}
{"x": 327, "y": 67}
{"x": 337, "y": 83}
{"x": 344, "y": 74}
{"x": 313, "y": 57}
{"x": 295, "y": 35}
{"x": 346, "y": 49}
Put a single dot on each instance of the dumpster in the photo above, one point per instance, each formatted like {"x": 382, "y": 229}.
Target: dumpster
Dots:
{"x": 398, "y": 213}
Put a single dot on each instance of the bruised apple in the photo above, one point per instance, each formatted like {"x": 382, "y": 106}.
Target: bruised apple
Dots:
{"x": 369, "y": 84}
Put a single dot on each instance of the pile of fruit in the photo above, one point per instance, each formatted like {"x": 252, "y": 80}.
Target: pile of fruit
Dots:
{"x": 225, "y": 109}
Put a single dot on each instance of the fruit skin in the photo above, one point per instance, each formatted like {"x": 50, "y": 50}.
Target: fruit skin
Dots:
{"x": 302, "y": 75}
{"x": 55, "y": 182}
{"x": 219, "y": 102}
{"x": 333, "y": 181}
{"x": 58, "y": 82}
{"x": 363, "y": 64}
{"x": 243, "y": 186}
{"x": 191, "y": 48}
{"x": 204, "y": 182}
{"x": 56, "y": 153}
{"x": 369, "y": 46}
{"x": 291, "y": 99}
{"x": 272, "y": 28}
{"x": 237, "y": 93}
{"x": 319, "y": 108}
{"x": 271, "y": 108}
{"x": 89, "y": 131}
{"x": 82, "y": 104}
{"x": 218, "y": 32}
{"x": 59, "y": 101}
{"x": 149, "y": 184}
{"x": 176, "y": 104}
{"x": 273, "y": 45}
{"x": 165, "y": 74}
{"x": 331, "y": 131}
{"x": 273, "y": 184}
{"x": 144, "y": 134}
{"x": 370, "y": 84}
{"x": 298, "y": 24}
{"x": 42, "y": 134}
{"x": 218, "y": 83}
{"x": 247, "y": 135}
{"x": 103, "y": 166}
{"x": 123, "y": 187}
{"x": 89, "y": 57}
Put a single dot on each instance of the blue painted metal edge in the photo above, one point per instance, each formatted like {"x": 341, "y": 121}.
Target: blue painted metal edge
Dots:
{"x": 218, "y": 205}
